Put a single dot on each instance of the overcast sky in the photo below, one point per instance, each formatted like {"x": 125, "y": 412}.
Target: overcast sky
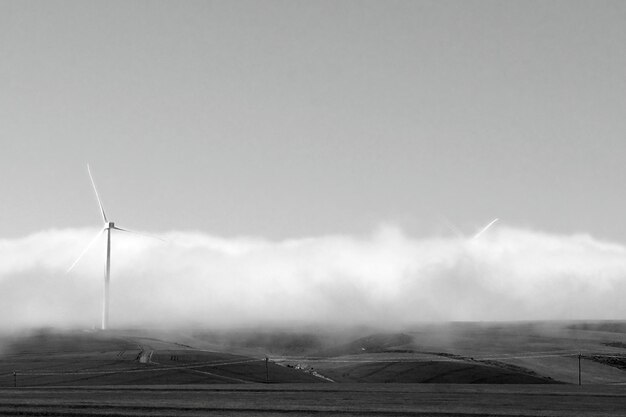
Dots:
{"x": 297, "y": 118}
{"x": 303, "y": 159}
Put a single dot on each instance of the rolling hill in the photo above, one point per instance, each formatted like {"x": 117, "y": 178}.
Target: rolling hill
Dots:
{"x": 466, "y": 353}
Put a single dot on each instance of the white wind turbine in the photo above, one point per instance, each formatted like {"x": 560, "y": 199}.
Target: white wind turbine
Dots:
{"x": 108, "y": 226}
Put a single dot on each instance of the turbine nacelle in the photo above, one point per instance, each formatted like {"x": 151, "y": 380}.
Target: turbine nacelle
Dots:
{"x": 109, "y": 225}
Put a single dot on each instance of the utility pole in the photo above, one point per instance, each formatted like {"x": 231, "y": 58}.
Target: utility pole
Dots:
{"x": 14, "y": 379}
{"x": 267, "y": 370}
{"x": 579, "y": 374}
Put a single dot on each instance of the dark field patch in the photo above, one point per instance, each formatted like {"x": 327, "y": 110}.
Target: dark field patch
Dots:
{"x": 376, "y": 343}
{"x": 603, "y": 326}
{"x": 319, "y": 399}
{"x": 432, "y": 372}
{"x": 616, "y": 361}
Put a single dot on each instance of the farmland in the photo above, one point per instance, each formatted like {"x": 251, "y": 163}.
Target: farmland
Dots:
{"x": 318, "y": 399}
{"x": 53, "y": 359}
{"x": 431, "y": 369}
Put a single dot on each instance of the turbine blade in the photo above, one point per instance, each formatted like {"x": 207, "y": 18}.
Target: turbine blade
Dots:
{"x": 484, "y": 229}
{"x": 104, "y": 216}
{"x": 138, "y": 233}
{"x": 84, "y": 251}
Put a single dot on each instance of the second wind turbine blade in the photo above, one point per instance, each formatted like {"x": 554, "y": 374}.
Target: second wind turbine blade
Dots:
{"x": 139, "y": 233}
{"x": 84, "y": 251}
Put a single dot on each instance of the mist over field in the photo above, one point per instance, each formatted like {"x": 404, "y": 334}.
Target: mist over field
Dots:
{"x": 386, "y": 279}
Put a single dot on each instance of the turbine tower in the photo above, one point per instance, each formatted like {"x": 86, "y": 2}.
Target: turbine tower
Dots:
{"x": 108, "y": 226}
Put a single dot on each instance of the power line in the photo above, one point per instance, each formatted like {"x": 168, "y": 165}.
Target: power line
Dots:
{"x": 151, "y": 369}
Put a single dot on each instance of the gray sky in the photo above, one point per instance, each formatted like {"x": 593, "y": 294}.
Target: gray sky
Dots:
{"x": 292, "y": 118}
{"x": 299, "y": 157}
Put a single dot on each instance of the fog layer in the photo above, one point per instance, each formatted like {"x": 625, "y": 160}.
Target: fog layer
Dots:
{"x": 385, "y": 279}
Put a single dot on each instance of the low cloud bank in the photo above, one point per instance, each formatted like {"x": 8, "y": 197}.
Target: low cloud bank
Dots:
{"x": 385, "y": 279}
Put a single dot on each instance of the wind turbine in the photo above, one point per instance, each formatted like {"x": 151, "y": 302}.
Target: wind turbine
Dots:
{"x": 108, "y": 226}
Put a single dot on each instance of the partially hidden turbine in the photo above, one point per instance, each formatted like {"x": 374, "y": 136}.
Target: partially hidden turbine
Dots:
{"x": 456, "y": 230}
{"x": 108, "y": 226}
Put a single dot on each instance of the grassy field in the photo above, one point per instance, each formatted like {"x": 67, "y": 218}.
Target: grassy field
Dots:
{"x": 544, "y": 352}
{"x": 115, "y": 358}
{"x": 458, "y": 369}
{"x": 318, "y": 399}
{"x": 516, "y": 353}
